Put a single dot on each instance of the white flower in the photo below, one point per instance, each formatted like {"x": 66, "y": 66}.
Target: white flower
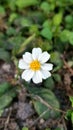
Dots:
{"x": 35, "y": 66}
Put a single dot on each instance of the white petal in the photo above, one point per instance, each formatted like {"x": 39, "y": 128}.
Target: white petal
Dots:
{"x": 47, "y": 66}
{"x": 45, "y": 74}
{"x": 22, "y": 64}
{"x": 27, "y": 57}
{"x": 27, "y": 74}
{"x": 44, "y": 57}
{"x": 36, "y": 52}
{"x": 37, "y": 78}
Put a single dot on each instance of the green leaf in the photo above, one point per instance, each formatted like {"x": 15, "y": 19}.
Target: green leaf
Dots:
{"x": 71, "y": 99}
{"x": 33, "y": 89}
{"x": 4, "y": 55}
{"x": 4, "y": 87}
{"x": 11, "y": 31}
{"x": 67, "y": 36}
{"x": 50, "y": 98}
{"x": 34, "y": 29}
{"x": 25, "y": 22}
{"x": 57, "y": 77}
{"x": 45, "y": 7}
{"x": 47, "y": 129}
{"x": 45, "y": 46}
{"x": 49, "y": 83}
{"x": 12, "y": 17}
{"x": 68, "y": 115}
{"x": 2, "y": 11}
{"x": 11, "y": 4}
{"x": 64, "y": 36}
{"x": 47, "y": 24}
{"x": 16, "y": 43}
{"x": 69, "y": 19}
{"x": 24, "y": 128}
{"x": 59, "y": 128}
{"x": 26, "y": 3}
{"x": 7, "y": 98}
{"x": 46, "y": 33}
{"x": 47, "y": 96}
{"x": 57, "y": 19}
{"x": 38, "y": 16}
{"x": 59, "y": 45}
{"x": 71, "y": 38}
{"x": 56, "y": 58}
{"x": 72, "y": 117}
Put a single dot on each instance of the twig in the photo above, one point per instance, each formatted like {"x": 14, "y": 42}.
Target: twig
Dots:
{"x": 65, "y": 128}
{"x": 38, "y": 98}
{"x": 48, "y": 105}
{"x": 3, "y": 118}
{"x": 7, "y": 121}
{"x": 67, "y": 66}
{"x": 27, "y": 41}
{"x": 38, "y": 118}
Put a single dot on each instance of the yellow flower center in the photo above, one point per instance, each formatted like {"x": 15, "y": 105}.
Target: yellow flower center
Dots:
{"x": 35, "y": 65}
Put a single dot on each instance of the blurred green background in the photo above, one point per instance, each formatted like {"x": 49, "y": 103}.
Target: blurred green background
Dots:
{"x": 31, "y": 23}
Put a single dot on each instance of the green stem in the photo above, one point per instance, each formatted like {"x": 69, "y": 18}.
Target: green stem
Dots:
{"x": 27, "y": 41}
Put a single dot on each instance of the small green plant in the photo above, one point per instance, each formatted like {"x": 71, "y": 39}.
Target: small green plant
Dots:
{"x": 69, "y": 114}
{"x": 7, "y": 93}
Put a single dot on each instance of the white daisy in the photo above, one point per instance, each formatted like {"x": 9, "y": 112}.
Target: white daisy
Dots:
{"x": 35, "y": 66}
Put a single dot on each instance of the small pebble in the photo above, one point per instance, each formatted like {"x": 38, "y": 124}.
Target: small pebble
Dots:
{"x": 41, "y": 121}
{"x": 6, "y": 67}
